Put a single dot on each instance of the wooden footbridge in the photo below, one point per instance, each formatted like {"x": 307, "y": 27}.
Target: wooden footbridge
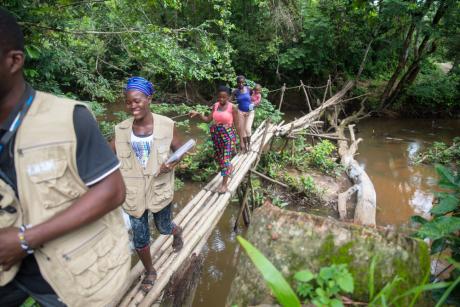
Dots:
{"x": 201, "y": 214}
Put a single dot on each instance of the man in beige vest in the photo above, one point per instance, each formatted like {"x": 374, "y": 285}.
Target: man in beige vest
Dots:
{"x": 62, "y": 239}
{"x": 143, "y": 144}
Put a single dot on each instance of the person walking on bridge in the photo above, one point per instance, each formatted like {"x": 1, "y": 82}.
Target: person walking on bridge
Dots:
{"x": 246, "y": 104}
{"x": 62, "y": 239}
{"x": 143, "y": 143}
{"x": 223, "y": 114}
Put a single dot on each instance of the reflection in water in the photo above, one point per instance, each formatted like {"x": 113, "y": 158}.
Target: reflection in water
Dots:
{"x": 217, "y": 244}
{"x": 386, "y": 152}
{"x": 214, "y": 273}
{"x": 422, "y": 202}
{"x": 220, "y": 262}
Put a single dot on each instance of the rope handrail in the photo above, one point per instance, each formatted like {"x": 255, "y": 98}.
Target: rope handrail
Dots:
{"x": 298, "y": 87}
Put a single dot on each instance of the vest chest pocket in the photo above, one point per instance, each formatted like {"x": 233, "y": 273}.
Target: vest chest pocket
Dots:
{"x": 92, "y": 263}
{"x": 125, "y": 160}
{"x": 162, "y": 153}
{"x": 54, "y": 182}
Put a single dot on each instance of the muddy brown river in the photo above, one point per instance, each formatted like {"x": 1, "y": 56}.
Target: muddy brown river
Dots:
{"x": 402, "y": 191}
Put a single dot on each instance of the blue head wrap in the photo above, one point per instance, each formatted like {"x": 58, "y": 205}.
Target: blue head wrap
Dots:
{"x": 140, "y": 84}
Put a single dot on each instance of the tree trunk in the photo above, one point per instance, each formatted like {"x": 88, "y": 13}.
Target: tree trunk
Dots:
{"x": 394, "y": 88}
{"x": 401, "y": 64}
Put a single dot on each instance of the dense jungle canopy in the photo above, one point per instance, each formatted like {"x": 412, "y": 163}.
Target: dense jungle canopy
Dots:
{"x": 86, "y": 49}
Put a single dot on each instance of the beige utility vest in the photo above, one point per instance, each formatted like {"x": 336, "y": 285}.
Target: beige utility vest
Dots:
{"x": 144, "y": 190}
{"x": 87, "y": 266}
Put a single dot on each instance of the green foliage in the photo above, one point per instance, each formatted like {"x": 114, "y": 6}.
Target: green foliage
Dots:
{"x": 178, "y": 184}
{"x": 30, "y": 302}
{"x": 87, "y": 49}
{"x": 328, "y": 286}
{"x": 279, "y": 202}
{"x": 324, "y": 288}
{"x": 321, "y": 157}
{"x": 280, "y": 287}
{"x": 434, "y": 91}
{"x": 440, "y": 152}
{"x": 443, "y": 228}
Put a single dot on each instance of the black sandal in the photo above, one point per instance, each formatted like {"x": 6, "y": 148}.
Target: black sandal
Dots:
{"x": 149, "y": 283}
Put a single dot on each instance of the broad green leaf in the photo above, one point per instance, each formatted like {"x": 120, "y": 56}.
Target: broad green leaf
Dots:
{"x": 447, "y": 204}
{"x": 439, "y": 227}
{"x": 447, "y": 178}
{"x": 345, "y": 281}
{"x": 327, "y": 272}
{"x": 304, "y": 276}
{"x": 275, "y": 280}
{"x": 371, "y": 277}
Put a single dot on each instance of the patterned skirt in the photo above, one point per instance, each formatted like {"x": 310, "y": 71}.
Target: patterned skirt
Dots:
{"x": 224, "y": 140}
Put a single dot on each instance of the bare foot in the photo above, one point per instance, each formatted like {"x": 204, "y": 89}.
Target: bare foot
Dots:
{"x": 223, "y": 189}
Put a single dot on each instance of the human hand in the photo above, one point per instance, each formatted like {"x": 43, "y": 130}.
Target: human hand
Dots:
{"x": 11, "y": 251}
{"x": 166, "y": 168}
{"x": 192, "y": 114}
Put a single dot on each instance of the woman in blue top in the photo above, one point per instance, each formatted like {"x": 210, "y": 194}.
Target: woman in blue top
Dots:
{"x": 245, "y": 112}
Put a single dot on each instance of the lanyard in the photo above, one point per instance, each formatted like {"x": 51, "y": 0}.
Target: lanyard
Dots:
{"x": 15, "y": 124}
{"x": 6, "y": 138}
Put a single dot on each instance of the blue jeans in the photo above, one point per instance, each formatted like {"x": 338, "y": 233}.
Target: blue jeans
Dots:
{"x": 140, "y": 226}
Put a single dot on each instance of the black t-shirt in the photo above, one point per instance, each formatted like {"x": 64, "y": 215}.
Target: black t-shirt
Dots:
{"x": 95, "y": 161}
{"x": 94, "y": 156}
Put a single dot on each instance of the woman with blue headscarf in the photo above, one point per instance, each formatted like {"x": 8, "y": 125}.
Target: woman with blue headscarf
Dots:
{"x": 143, "y": 143}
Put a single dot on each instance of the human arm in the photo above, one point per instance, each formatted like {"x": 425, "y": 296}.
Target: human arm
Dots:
{"x": 236, "y": 120}
{"x": 203, "y": 117}
{"x": 98, "y": 169}
{"x": 99, "y": 200}
{"x": 176, "y": 143}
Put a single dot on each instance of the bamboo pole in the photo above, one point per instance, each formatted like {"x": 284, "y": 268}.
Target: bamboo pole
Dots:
{"x": 269, "y": 179}
{"x": 243, "y": 206}
{"x": 161, "y": 282}
{"x": 283, "y": 89}
{"x": 306, "y": 96}
{"x": 246, "y": 193}
{"x": 168, "y": 255}
{"x": 325, "y": 90}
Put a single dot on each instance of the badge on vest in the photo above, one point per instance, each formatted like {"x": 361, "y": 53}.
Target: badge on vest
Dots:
{"x": 47, "y": 166}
